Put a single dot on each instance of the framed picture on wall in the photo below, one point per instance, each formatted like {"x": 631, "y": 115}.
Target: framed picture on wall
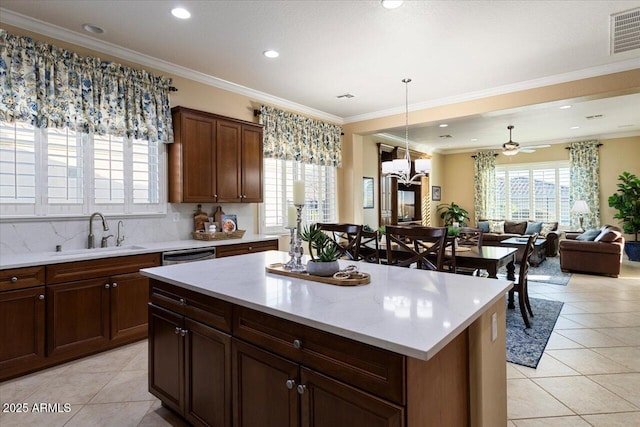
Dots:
{"x": 436, "y": 193}
{"x": 367, "y": 191}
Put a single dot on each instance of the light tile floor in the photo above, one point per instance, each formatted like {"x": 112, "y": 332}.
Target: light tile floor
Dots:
{"x": 589, "y": 374}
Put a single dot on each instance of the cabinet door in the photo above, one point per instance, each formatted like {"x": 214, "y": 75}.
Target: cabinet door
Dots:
{"x": 77, "y": 316}
{"x": 207, "y": 375}
{"x": 251, "y": 164}
{"x": 228, "y": 166}
{"x": 261, "y": 397}
{"x": 166, "y": 357}
{"x": 129, "y": 300}
{"x": 326, "y": 402}
{"x": 21, "y": 329}
{"x": 198, "y": 164}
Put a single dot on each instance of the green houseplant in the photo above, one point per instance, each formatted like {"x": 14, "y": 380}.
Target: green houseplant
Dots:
{"x": 325, "y": 260}
{"x": 453, "y": 213}
{"x": 627, "y": 201}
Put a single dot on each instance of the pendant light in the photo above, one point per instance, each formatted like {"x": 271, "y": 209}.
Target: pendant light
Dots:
{"x": 510, "y": 148}
{"x": 401, "y": 168}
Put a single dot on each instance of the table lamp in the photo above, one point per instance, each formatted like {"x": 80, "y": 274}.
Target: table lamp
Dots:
{"x": 580, "y": 207}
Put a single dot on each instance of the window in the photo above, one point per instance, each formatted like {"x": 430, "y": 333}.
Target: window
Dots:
{"x": 59, "y": 172}
{"x": 537, "y": 191}
{"x": 320, "y": 183}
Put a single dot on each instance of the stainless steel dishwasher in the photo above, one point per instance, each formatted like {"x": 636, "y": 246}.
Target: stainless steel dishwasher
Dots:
{"x": 188, "y": 255}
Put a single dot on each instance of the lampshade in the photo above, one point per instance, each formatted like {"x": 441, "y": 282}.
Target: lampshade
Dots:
{"x": 580, "y": 207}
{"x": 423, "y": 165}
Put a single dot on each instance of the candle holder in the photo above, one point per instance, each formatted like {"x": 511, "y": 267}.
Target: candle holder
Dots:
{"x": 292, "y": 241}
{"x": 298, "y": 250}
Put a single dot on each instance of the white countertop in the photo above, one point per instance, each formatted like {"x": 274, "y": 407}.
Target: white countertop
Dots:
{"x": 407, "y": 311}
{"x": 46, "y": 258}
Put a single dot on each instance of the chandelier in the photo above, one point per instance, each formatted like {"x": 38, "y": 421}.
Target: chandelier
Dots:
{"x": 401, "y": 168}
{"x": 510, "y": 148}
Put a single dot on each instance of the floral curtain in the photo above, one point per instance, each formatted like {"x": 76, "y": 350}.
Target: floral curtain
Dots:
{"x": 47, "y": 86}
{"x": 289, "y": 136}
{"x": 484, "y": 184}
{"x": 584, "y": 164}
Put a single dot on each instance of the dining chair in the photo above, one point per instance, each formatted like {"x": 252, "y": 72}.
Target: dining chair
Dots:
{"x": 467, "y": 237}
{"x": 521, "y": 286}
{"x": 346, "y": 238}
{"x": 423, "y": 246}
{"x": 369, "y": 246}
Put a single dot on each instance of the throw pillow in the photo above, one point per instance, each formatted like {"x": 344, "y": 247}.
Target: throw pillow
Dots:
{"x": 496, "y": 227}
{"x": 484, "y": 226}
{"x": 607, "y": 236}
{"x": 548, "y": 227}
{"x": 589, "y": 235}
{"x": 533, "y": 227}
{"x": 515, "y": 227}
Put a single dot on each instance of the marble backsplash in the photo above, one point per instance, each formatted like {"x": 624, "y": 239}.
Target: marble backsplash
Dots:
{"x": 30, "y": 236}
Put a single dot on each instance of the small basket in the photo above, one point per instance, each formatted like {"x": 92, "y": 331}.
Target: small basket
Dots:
{"x": 218, "y": 235}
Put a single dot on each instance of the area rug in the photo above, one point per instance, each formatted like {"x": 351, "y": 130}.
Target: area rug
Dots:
{"x": 547, "y": 272}
{"x": 525, "y": 346}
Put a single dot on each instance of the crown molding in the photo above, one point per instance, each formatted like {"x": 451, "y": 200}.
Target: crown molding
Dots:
{"x": 586, "y": 73}
{"x": 30, "y": 24}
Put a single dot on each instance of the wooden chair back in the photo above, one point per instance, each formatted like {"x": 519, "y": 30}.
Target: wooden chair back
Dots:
{"x": 421, "y": 245}
{"x": 470, "y": 236}
{"x": 521, "y": 287}
{"x": 369, "y": 246}
{"x": 346, "y": 238}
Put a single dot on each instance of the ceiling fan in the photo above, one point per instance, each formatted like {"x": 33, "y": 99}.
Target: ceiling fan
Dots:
{"x": 511, "y": 148}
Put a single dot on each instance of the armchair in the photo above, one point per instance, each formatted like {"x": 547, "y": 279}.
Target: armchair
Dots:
{"x": 602, "y": 256}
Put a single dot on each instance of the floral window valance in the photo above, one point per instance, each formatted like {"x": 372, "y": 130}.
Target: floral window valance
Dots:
{"x": 289, "y": 136}
{"x": 48, "y": 86}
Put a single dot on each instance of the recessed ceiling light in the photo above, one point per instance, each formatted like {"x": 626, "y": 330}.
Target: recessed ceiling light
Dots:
{"x": 270, "y": 53}
{"x": 474, "y": 139}
{"x": 90, "y": 28}
{"x": 391, "y": 4}
{"x": 564, "y": 107}
{"x": 574, "y": 127}
{"x": 443, "y": 125}
{"x": 181, "y": 13}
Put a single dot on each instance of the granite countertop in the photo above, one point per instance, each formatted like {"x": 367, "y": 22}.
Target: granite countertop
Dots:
{"x": 46, "y": 258}
{"x": 407, "y": 311}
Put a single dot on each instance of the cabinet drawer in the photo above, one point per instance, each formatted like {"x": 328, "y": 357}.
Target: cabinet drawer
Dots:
{"x": 246, "y": 248}
{"x": 18, "y": 278}
{"x": 80, "y": 270}
{"x": 208, "y": 310}
{"x": 373, "y": 369}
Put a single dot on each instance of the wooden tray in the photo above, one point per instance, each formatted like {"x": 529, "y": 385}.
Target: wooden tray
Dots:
{"x": 219, "y": 235}
{"x": 277, "y": 269}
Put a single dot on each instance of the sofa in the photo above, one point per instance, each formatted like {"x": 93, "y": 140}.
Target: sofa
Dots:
{"x": 492, "y": 236}
{"x": 601, "y": 254}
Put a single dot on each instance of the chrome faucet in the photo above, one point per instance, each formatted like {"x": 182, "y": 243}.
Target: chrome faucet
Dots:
{"x": 121, "y": 237}
{"x": 105, "y": 227}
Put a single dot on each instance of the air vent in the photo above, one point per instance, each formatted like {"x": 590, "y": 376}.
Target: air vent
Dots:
{"x": 595, "y": 116}
{"x": 625, "y": 31}
{"x": 446, "y": 136}
{"x": 346, "y": 96}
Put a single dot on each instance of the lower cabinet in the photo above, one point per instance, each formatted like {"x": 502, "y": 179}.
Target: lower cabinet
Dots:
{"x": 299, "y": 396}
{"x": 22, "y": 329}
{"x": 246, "y": 248}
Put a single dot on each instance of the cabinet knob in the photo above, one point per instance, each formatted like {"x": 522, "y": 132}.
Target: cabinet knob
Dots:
{"x": 301, "y": 389}
{"x": 114, "y": 284}
{"x": 107, "y": 286}
{"x": 14, "y": 279}
{"x": 177, "y": 330}
{"x": 215, "y": 195}
{"x": 291, "y": 384}
{"x": 297, "y": 344}
{"x": 183, "y": 332}
{"x": 181, "y": 301}
{"x": 40, "y": 297}
{"x": 250, "y": 248}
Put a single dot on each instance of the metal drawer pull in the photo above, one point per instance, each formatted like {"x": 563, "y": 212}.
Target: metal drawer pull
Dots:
{"x": 183, "y": 332}
{"x": 107, "y": 286}
{"x": 115, "y": 285}
{"x": 14, "y": 279}
{"x": 177, "y": 330}
{"x": 297, "y": 344}
{"x": 40, "y": 297}
{"x": 181, "y": 301}
{"x": 291, "y": 384}
{"x": 302, "y": 389}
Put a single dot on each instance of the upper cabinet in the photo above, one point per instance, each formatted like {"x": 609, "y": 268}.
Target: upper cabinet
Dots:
{"x": 214, "y": 159}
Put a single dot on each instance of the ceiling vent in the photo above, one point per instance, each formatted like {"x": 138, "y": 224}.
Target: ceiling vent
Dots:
{"x": 625, "y": 31}
{"x": 346, "y": 96}
{"x": 595, "y": 116}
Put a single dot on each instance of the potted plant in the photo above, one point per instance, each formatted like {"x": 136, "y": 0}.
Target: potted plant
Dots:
{"x": 325, "y": 260}
{"x": 627, "y": 201}
{"x": 453, "y": 213}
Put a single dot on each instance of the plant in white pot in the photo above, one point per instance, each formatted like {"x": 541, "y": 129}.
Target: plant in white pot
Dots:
{"x": 325, "y": 260}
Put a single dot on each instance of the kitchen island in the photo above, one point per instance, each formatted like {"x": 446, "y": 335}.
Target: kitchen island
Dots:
{"x": 230, "y": 344}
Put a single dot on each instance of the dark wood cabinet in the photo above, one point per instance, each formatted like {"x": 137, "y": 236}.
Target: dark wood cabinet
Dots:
{"x": 128, "y": 306}
{"x": 246, "y": 248}
{"x": 214, "y": 159}
{"x": 22, "y": 329}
